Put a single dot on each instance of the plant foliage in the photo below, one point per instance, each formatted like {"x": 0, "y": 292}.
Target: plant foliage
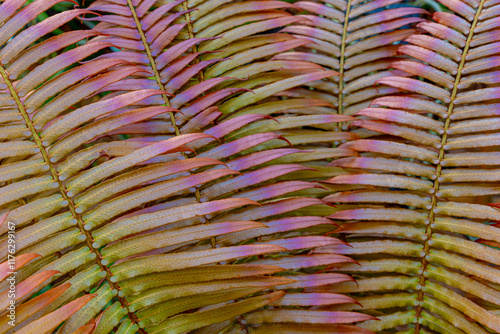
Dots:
{"x": 176, "y": 168}
{"x": 419, "y": 221}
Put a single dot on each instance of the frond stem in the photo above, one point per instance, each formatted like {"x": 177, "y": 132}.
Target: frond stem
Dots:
{"x": 62, "y": 190}
{"x": 342, "y": 59}
{"x": 158, "y": 78}
{"x": 201, "y": 78}
{"x": 189, "y": 27}
{"x": 439, "y": 168}
{"x": 152, "y": 63}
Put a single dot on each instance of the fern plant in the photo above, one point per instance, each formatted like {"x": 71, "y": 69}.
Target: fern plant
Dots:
{"x": 359, "y": 40}
{"x": 172, "y": 186}
{"x": 418, "y": 220}
{"x": 119, "y": 233}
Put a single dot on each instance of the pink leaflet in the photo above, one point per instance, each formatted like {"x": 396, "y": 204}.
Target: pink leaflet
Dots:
{"x": 52, "y": 66}
{"x": 460, "y": 8}
{"x": 181, "y": 79}
{"x": 3, "y": 217}
{"x": 278, "y": 226}
{"x": 483, "y": 51}
{"x": 87, "y": 88}
{"x": 94, "y": 110}
{"x": 252, "y": 178}
{"x": 339, "y": 248}
{"x": 53, "y": 319}
{"x": 37, "y": 52}
{"x": 127, "y": 33}
{"x": 24, "y": 16}
{"x": 452, "y": 21}
{"x": 115, "y": 19}
{"x": 485, "y": 63}
{"x": 110, "y": 8}
{"x": 417, "y": 103}
{"x": 429, "y": 56}
{"x": 8, "y": 8}
{"x": 29, "y": 35}
{"x": 234, "y": 147}
{"x": 176, "y": 51}
{"x": 305, "y": 261}
{"x": 384, "y": 15}
{"x": 170, "y": 71}
{"x": 400, "y": 116}
{"x": 124, "y": 43}
{"x": 201, "y": 120}
{"x": 304, "y": 242}
{"x": 143, "y": 7}
{"x": 320, "y": 22}
{"x": 157, "y": 14}
{"x": 195, "y": 91}
{"x": 369, "y": 6}
{"x": 275, "y": 208}
{"x": 207, "y": 101}
{"x": 321, "y": 9}
{"x": 194, "y": 180}
{"x": 275, "y": 190}
{"x": 444, "y": 32}
{"x": 490, "y": 11}
{"x": 67, "y": 79}
{"x": 436, "y": 44}
{"x": 147, "y": 127}
{"x": 119, "y": 2}
{"x": 312, "y": 32}
{"x": 234, "y": 124}
{"x": 165, "y": 38}
{"x": 129, "y": 56}
{"x": 89, "y": 328}
{"x": 255, "y": 159}
{"x": 111, "y": 125}
{"x": 138, "y": 156}
{"x": 473, "y": 96}
{"x": 161, "y": 26}
{"x": 415, "y": 85}
{"x": 486, "y": 37}
{"x": 132, "y": 84}
{"x": 295, "y": 223}
{"x": 24, "y": 288}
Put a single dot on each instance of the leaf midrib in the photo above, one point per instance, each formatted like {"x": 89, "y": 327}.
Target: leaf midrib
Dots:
{"x": 62, "y": 189}
{"x": 444, "y": 138}
{"x": 342, "y": 60}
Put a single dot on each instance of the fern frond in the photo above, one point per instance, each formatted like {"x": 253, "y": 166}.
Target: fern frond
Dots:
{"x": 358, "y": 39}
{"x": 107, "y": 189}
{"x": 421, "y": 221}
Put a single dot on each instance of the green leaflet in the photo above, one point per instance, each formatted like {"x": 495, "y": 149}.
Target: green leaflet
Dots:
{"x": 175, "y": 306}
{"x": 182, "y": 323}
{"x": 110, "y": 318}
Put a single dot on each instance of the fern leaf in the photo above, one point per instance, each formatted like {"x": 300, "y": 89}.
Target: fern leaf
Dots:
{"x": 433, "y": 171}
{"x": 99, "y": 159}
{"x": 354, "y": 38}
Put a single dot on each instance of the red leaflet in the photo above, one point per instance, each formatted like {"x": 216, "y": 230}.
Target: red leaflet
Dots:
{"x": 21, "y": 261}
